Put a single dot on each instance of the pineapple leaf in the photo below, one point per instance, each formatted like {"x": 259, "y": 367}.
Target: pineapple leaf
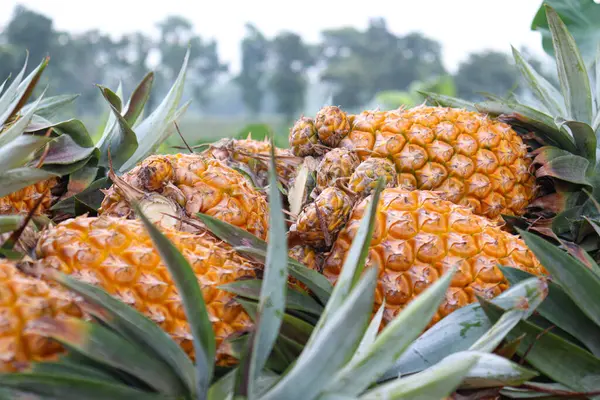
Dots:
{"x": 80, "y": 180}
{"x": 138, "y": 99}
{"x": 103, "y": 345}
{"x": 91, "y": 196}
{"x": 273, "y": 291}
{"x": 134, "y": 326}
{"x": 569, "y": 168}
{"x": 193, "y": 303}
{"x": 71, "y": 388}
{"x": 520, "y": 115}
{"x": 553, "y": 356}
{"x": 541, "y": 88}
{"x": 459, "y": 330}
{"x": 436, "y": 382}
{"x": 248, "y": 244}
{"x": 572, "y": 72}
{"x": 579, "y": 282}
{"x": 151, "y": 131}
{"x": 493, "y": 370}
{"x": 18, "y": 92}
{"x": 67, "y": 369}
{"x": 585, "y": 138}
{"x": 76, "y": 130}
{"x": 370, "y": 334}
{"x": 358, "y": 374}
{"x": 559, "y": 309}
{"x": 535, "y": 390}
{"x": 250, "y": 288}
{"x": 18, "y": 127}
{"x": 335, "y": 342}
{"x": 493, "y": 337}
{"x": 447, "y": 101}
{"x": 355, "y": 261}
{"x": 314, "y": 280}
{"x": 113, "y": 99}
{"x": 63, "y": 150}
{"x": 20, "y": 151}
{"x": 48, "y": 106}
{"x": 9, "y": 223}
{"x": 121, "y": 141}
{"x": 18, "y": 178}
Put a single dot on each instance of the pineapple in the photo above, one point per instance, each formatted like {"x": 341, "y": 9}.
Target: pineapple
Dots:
{"x": 23, "y": 200}
{"x": 117, "y": 255}
{"x": 476, "y": 161}
{"x": 196, "y": 184}
{"x": 22, "y": 300}
{"x": 337, "y": 165}
{"x": 418, "y": 236}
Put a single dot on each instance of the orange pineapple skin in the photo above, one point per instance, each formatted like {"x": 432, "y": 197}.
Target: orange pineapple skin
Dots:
{"x": 118, "y": 255}
{"x": 23, "y": 299}
{"x": 417, "y": 237}
{"x": 23, "y": 201}
{"x": 478, "y": 162}
{"x": 307, "y": 256}
{"x": 199, "y": 185}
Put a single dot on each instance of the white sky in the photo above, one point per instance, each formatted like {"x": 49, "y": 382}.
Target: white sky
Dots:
{"x": 462, "y": 26}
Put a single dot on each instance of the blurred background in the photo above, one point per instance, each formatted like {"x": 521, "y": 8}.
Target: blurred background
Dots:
{"x": 257, "y": 66}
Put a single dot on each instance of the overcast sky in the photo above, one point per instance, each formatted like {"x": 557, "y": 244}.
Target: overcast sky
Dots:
{"x": 462, "y": 26}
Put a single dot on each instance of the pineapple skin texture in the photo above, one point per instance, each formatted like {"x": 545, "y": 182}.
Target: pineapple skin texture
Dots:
{"x": 118, "y": 255}
{"x": 23, "y": 299}
{"x": 23, "y": 201}
{"x": 417, "y": 237}
{"x": 199, "y": 185}
{"x": 476, "y": 161}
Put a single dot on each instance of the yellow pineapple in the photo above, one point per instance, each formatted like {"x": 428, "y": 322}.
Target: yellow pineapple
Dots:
{"x": 335, "y": 166}
{"x": 197, "y": 184}
{"x": 23, "y": 201}
{"x": 118, "y": 255}
{"x": 417, "y": 237}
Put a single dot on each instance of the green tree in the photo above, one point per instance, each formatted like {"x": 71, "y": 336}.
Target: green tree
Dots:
{"x": 255, "y": 52}
{"x": 176, "y": 34}
{"x": 359, "y": 64}
{"x": 487, "y": 71}
{"x": 291, "y": 58}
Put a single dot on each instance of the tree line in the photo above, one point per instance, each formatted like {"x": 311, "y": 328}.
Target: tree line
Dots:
{"x": 352, "y": 65}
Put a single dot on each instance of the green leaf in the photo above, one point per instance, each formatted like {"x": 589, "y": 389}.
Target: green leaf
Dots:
{"x": 18, "y": 178}
{"x": 76, "y": 130}
{"x": 580, "y": 16}
{"x": 541, "y": 88}
{"x": 18, "y": 127}
{"x": 103, "y": 345}
{"x": 572, "y": 73}
{"x": 459, "y": 330}
{"x": 151, "y": 131}
{"x": 91, "y": 196}
{"x": 448, "y": 101}
{"x": 559, "y": 309}
{"x": 250, "y": 288}
{"x": 492, "y": 370}
{"x": 436, "y": 382}
{"x": 134, "y": 326}
{"x": 358, "y": 374}
{"x": 370, "y": 335}
{"x": 553, "y": 356}
{"x": 310, "y": 372}
{"x": 578, "y": 281}
{"x": 48, "y": 107}
{"x": 138, "y": 99}
{"x": 570, "y": 168}
{"x": 11, "y": 93}
{"x": 68, "y": 388}
{"x": 66, "y": 369}
{"x": 585, "y": 139}
{"x": 354, "y": 263}
{"x": 273, "y": 292}
{"x": 121, "y": 140}
{"x": 540, "y": 392}
{"x": 63, "y": 150}
{"x": 9, "y": 223}
{"x": 193, "y": 303}
{"x": 20, "y": 151}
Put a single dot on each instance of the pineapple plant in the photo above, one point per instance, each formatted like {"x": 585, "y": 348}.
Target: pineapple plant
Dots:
{"x": 144, "y": 362}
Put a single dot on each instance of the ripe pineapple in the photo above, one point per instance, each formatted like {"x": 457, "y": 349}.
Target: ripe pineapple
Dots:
{"x": 197, "y": 184}
{"x": 22, "y": 300}
{"x": 476, "y": 161}
{"x": 417, "y": 237}
{"x": 24, "y": 200}
{"x": 118, "y": 255}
